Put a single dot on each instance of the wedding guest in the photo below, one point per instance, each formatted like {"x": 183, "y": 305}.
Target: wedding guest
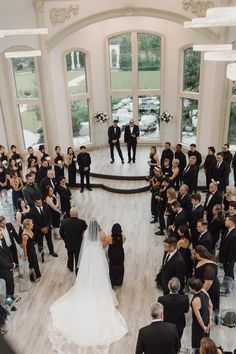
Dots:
{"x": 154, "y": 160}
{"x": 52, "y": 201}
{"x": 7, "y": 266}
{"x": 72, "y": 231}
{"x": 229, "y": 197}
{"x": 232, "y": 209}
{"x": 49, "y": 180}
{"x": 179, "y": 218}
{"x": 14, "y": 167}
{"x": 196, "y": 214}
{"x": 114, "y": 134}
{"x": 130, "y": 138}
{"x": 167, "y": 153}
{"x": 10, "y": 237}
{"x": 71, "y": 162}
{"x": 43, "y": 155}
{"x": 169, "y": 213}
{"x": 217, "y": 224}
{"x": 162, "y": 200}
{"x": 227, "y": 252}
{"x": 84, "y": 162}
{"x": 3, "y": 183}
{"x": 32, "y": 156}
{"x": 201, "y": 312}
{"x": 174, "y": 176}
{"x": 190, "y": 173}
{"x": 213, "y": 197}
{"x": 208, "y": 165}
{"x": 29, "y": 249}
{"x": 204, "y": 236}
{"x": 65, "y": 197}
{"x": 15, "y": 156}
{"x": 234, "y": 168}
{"x": 220, "y": 172}
{"x": 58, "y": 161}
{"x": 166, "y": 168}
{"x": 22, "y": 213}
{"x": 30, "y": 190}
{"x": 184, "y": 198}
{"x": 3, "y": 154}
{"x": 227, "y": 157}
{"x": 116, "y": 255}
{"x": 155, "y": 190}
{"x": 179, "y": 155}
{"x": 197, "y": 154}
{"x": 16, "y": 184}
{"x": 207, "y": 346}
{"x": 42, "y": 171}
{"x": 183, "y": 245}
{"x": 32, "y": 166}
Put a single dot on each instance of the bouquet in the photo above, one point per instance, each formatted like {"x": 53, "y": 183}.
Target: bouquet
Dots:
{"x": 101, "y": 117}
{"x": 166, "y": 117}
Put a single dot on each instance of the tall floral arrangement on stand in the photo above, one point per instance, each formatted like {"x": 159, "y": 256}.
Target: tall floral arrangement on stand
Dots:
{"x": 101, "y": 117}
{"x": 166, "y": 116}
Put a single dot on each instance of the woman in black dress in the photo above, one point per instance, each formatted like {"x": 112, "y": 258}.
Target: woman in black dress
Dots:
{"x": 58, "y": 163}
{"x": 29, "y": 249}
{"x": 201, "y": 312}
{"x": 65, "y": 197}
{"x": 53, "y": 203}
{"x": 155, "y": 189}
{"x": 183, "y": 245}
{"x": 16, "y": 184}
{"x": 71, "y": 161}
{"x": 3, "y": 183}
{"x": 22, "y": 213}
{"x": 16, "y": 156}
{"x": 154, "y": 161}
{"x": 116, "y": 255}
{"x": 217, "y": 224}
{"x": 169, "y": 214}
{"x": 206, "y": 270}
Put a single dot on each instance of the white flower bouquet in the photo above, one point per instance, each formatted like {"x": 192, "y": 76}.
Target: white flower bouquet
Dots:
{"x": 101, "y": 117}
{"x": 166, "y": 117}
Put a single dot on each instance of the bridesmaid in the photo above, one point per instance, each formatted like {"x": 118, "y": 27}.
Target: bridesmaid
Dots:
{"x": 71, "y": 161}
{"x": 3, "y": 183}
{"x": 22, "y": 213}
{"x": 58, "y": 163}
{"x": 29, "y": 249}
{"x": 116, "y": 255}
{"x": 16, "y": 184}
{"x": 52, "y": 201}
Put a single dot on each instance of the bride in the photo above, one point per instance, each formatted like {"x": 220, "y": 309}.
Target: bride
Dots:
{"x": 85, "y": 320}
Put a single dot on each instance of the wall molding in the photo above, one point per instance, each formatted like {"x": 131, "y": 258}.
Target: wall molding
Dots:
{"x": 197, "y": 7}
{"x": 61, "y": 14}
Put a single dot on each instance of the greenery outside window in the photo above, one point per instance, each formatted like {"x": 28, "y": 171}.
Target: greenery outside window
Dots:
{"x": 189, "y": 121}
{"x": 191, "y": 70}
{"x": 80, "y": 122}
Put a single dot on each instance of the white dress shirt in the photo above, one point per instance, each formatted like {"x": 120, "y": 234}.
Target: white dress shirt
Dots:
{"x": 6, "y": 237}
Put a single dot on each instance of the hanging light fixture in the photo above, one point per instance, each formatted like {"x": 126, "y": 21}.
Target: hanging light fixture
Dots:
{"x": 211, "y": 47}
{"x": 220, "y": 56}
{"x": 23, "y": 54}
{"x": 231, "y": 72}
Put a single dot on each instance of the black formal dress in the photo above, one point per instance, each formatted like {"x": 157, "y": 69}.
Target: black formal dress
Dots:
{"x": 227, "y": 158}
{"x": 166, "y": 154}
{"x": 162, "y": 207}
{"x": 3, "y": 178}
{"x": 158, "y": 338}
{"x": 208, "y": 167}
{"x": 65, "y": 197}
{"x": 46, "y": 181}
{"x": 131, "y": 140}
{"x": 197, "y": 331}
{"x": 55, "y": 215}
{"x": 32, "y": 257}
{"x": 227, "y": 253}
{"x": 59, "y": 167}
{"x": 23, "y": 217}
{"x": 6, "y": 268}
{"x": 114, "y": 133}
{"x": 171, "y": 302}
{"x": 189, "y": 177}
{"x": 208, "y": 271}
{"x": 211, "y": 200}
{"x": 84, "y": 162}
{"x": 196, "y": 214}
{"x": 72, "y": 171}
{"x": 182, "y": 163}
{"x": 155, "y": 190}
{"x": 221, "y": 174}
{"x": 72, "y": 231}
{"x": 116, "y": 258}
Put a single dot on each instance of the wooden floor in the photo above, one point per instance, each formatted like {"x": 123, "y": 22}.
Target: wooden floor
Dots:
{"x": 143, "y": 251}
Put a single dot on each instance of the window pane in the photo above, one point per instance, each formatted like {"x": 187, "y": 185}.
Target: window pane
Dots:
{"x": 232, "y": 127}
{"x": 122, "y": 109}
{"x": 191, "y": 70}
{"x": 189, "y": 120}
{"x": 149, "y": 61}
{"x": 234, "y": 88}
{"x": 76, "y": 73}
{"x": 120, "y": 62}
{"x": 31, "y": 124}
{"x": 149, "y": 117}
{"x": 80, "y": 122}
{"x": 25, "y": 78}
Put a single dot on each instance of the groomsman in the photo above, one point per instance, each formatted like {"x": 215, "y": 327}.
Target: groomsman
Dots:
{"x": 10, "y": 236}
{"x": 84, "y": 162}
{"x": 227, "y": 157}
{"x": 208, "y": 165}
{"x": 114, "y": 134}
{"x": 220, "y": 172}
{"x": 167, "y": 153}
{"x": 130, "y": 138}
{"x": 197, "y": 154}
{"x": 190, "y": 172}
{"x": 179, "y": 155}
{"x": 6, "y": 266}
{"x": 213, "y": 197}
{"x": 227, "y": 253}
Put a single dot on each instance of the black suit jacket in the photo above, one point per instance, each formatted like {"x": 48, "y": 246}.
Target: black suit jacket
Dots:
{"x": 71, "y": 231}
{"x": 227, "y": 252}
{"x": 158, "y": 338}
{"x": 128, "y": 138}
{"x": 175, "y": 307}
{"x": 206, "y": 241}
{"x": 216, "y": 199}
{"x": 182, "y": 160}
{"x": 6, "y": 260}
{"x": 84, "y": 160}
{"x": 40, "y": 220}
{"x": 112, "y": 135}
{"x": 221, "y": 174}
{"x": 198, "y": 156}
{"x": 180, "y": 219}
{"x": 174, "y": 267}
{"x": 166, "y": 153}
{"x": 186, "y": 204}
{"x": 189, "y": 177}
{"x": 41, "y": 173}
{"x": 195, "y": 215}
{"x": 30, "y": 192}
{"x": 46, "y": 181}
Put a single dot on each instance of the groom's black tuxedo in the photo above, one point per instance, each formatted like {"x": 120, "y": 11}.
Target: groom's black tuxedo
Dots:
{"x": 71, "y": 231}
{"x": 114, "y": 133}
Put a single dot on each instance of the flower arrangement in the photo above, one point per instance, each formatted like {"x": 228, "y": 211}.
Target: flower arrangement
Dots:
{"x": 101, "y": 117}
{"x": 166, "y": 117}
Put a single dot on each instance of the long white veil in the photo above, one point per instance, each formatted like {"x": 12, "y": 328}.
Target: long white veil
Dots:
{"x": 85, "y": 320}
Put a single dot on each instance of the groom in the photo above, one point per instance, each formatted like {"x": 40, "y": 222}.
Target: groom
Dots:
{"x": 72, "y": 231}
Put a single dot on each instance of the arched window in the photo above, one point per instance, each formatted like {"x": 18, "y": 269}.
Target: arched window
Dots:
{"x": 135, "y": 89}
{"x": 28, "y": 100}
{"x": 190, "y": 96}
{"x": 78, "y": 94}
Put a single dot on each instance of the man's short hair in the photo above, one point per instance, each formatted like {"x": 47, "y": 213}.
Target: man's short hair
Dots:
{"x": 232, "y": 218}
{"x": 196, "y": 197}
{"x": 82, "y": 147}
{"x": 212, "y": 149}
{"x": 203, "y": 222}
{"x": 232, "y": 204}
{"x": 226, "y": 145}
{"x": 193, "y": 145}
{"x": 28, "y": 175}
{"x": 37, "y": 197}
{"x": 168, "y": 143}
{"x": 157, "y": 310}
{"x": 171, "y": 241}
{"x": 219, "y": 154}
{"x": 176, "y": 204}
{"x": 179, "y": 145}
{"x": 174, "y": 285}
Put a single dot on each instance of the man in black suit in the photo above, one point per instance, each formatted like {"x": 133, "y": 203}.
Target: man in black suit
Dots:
{"x": 208, "y": 165}
{"x": 190, "y": 173}
{"x": 179, "y": 218}
{"x": 220, "y": 172}
{"x": 197, "y": 214}
{"x": 227, "y": 253}
{"x": 213, "y": 197}
{"x": 227, "y": 158}
{"x": 130, "y": 138}
{"x": 48, "y": 180}
{"x": 162, "y": 201}
{"x": 84, "y": 162}
{"x": 114, "y": 134}
{"x": 184, "y": 198}
{"x": 158, "y": 337}
{"x": 182, "y": 162}
{"x": 30, "y": 190}
{"x": 234, "y": 168}
{"x": 204, "y": 236}
{"x": 72, "y": 231}
{"x": 6, "y": 266}
{"x": 42, "y": 171}
{"x": 173, "y": 265}
{"x": 41, "y": 216}
{"x": 193, "y": 152}
{"x": 175, "y": 306}
{"x": 10, "y": 236}
{"x": 167, "y": 153}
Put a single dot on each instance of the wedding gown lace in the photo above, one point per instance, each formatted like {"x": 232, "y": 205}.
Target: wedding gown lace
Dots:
{"x": 85, "y": 320}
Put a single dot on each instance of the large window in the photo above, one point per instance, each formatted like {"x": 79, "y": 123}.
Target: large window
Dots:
{"x": 78, "y": 97}
{"x": 190, "y": 96}
{"x": 27, "y": 100}
{"x": 135, "y": 89}
{"x": 232, "y": 120}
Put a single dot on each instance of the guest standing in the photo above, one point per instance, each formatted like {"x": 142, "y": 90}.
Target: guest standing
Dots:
{"x": 84, "y": 162}
{"x": 42, "y": 171}
{"x": 29, "y": 249}
{"x": 167, "y": 153}
{"x": 52, "y": 201}
{"x": 31, "y": 190}
{"x": 217, "y": 224}
{"x": 174, "y": 175}
{"x": 208, "y": 165}
{"x": 229, "y": 197}
{"x": 17, "y": 187}
{"x": 59, "y": 162}
{"x": 179, "y": 155}
{"x": 130, "y": 138}
{"x": 6, "y": 267}
{"x": 227, "y": 253}
{"x": 196, "y": 214}
{"x": 71, "y": 162}
{"x": 11, "y": 237}
{"x": 207, "y": 346}
{"x": 220, "y": 172}
{"x": 213, "y": 197}
{"x": 154, "y": 161}
{"x": 65, "y": 197}
{"x": 204, "y": 236}
{"x": 22, "y": 213}
{"x": 114, "y": 134}
{"x": 197, "y": 154}
{"x": 190, "y": 173}
{"x": 116, "y": 255}
{"x": 183, "y": 245}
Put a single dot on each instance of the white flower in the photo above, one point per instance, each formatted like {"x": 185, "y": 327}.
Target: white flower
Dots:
{"x": 101, "y": 117}
{"x": 166, "y": 117}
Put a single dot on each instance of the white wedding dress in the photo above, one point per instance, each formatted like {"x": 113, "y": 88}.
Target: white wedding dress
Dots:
{"x": 85, "y": 320}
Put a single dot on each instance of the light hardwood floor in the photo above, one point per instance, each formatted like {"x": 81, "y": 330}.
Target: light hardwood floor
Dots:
{"x": 143, "y": 253}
